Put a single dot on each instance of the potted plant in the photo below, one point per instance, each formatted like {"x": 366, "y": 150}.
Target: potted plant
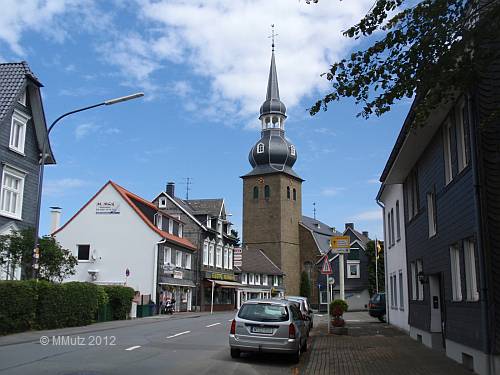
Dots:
{"x": 337, "y": 309}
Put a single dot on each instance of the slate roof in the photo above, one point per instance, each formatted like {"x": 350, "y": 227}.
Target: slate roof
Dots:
{"x": 321, "y": 232}
{"x": 255, "y": 260}
{"x": 12, "y": 80}
{"x": 204, "y": 206}
{"x": 361, "y": 236}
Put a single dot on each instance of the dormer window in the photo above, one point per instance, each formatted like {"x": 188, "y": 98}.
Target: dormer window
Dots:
{"x": 163, "y": 202}
{"x": 292, "y": 150}
{"x": 260, "y": 148}
{"x": 22, "y": 98}
{"x": 18, "y": 131}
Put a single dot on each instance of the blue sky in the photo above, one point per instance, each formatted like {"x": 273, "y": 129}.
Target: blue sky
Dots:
{"x": 203, "y": 66}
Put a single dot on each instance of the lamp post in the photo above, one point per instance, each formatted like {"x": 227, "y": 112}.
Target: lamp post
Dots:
{"x": 36, "y": 250}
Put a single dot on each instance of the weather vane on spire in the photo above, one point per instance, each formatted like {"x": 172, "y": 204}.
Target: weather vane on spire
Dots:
{"x": 273, "y": 35}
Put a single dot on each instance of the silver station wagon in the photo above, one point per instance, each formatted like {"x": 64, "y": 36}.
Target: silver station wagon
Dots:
{"x": 268, "y": 325}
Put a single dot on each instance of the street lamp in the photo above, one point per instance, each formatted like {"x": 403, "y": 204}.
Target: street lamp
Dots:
{"x": 36, "y": 250}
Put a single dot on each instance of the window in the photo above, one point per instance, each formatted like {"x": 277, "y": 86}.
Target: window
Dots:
{"x": 413, "y": 281}
{"x": 211, "y": 254}
{"x": 389, "y": 229}
{"x": 431, "y": 213}
{"x": 353, "y": 269}
{"x": 264, "y": 279}
{"x": 412, "y": 194}
{"x": 260, "y": 148}
{"x": 162, "y": 202}
{"x": 275, "y": 281}
{"x": 12, "y": 193}
{"x": 267, "y": 191}
{"x": 226, "y": 257}
{"x": 255, "y": 192}
{"x": 419, "y": 284}
{"x": 205, "y": 253}
{"x": 447, "y": 137}
{"x": 170, "y": 226}
{"x": 257, "y": 279}
{"x": 394, "y": 292}
{"x": 398, "y": 225}
{"x": 292, "y": 150}
{"x": 462, "y": 117}
{"x": 230, "y": 259}
{"x": 22, "y": 98}
{"x": 218, "y": 260}
{"x": 188, "y": 261}
{"x": 158, "y": 221}
{"x": 393, "y": 241}
{"x": 288, "y": 192}
{"x": 294, "y": 194}
{"x": 470, "y": 271}
{"x": 181, "y": 230}
{"x": 83, "y": 252}
{"x": 244, "y": 279}
{"x": 456, "y": 281}
{"x": 167, "y": 255}
{"x": 251, "y": 279}
{"x": 401, "y": 296}
{"x": 18, "y": 131}
{"x": 178, "y": 259}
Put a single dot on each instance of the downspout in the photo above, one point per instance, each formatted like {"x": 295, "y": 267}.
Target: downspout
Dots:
{"x": 387, "y": 309}
{"x": 483, "y": 295}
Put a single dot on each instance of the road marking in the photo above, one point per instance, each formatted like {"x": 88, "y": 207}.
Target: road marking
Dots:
{"x": 318, "y": 314}
{"x": 133, "y": 347}
{"x": 230, "y": 320}
{"x": 211, "y": 325}
{"x": 353, "y": 320}
{"x": 178, "y": 334}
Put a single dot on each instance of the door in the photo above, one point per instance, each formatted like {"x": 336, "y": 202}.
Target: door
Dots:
{"x": 437, "y": 306}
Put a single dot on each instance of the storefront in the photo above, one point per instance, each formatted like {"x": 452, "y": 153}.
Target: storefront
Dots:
{"x": 177, "y": 287}
{"x": 219, "y": 291}
{"x": 245, "y": 293}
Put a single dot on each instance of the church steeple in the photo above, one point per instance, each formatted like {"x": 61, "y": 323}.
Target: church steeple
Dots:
{"x": 273, "y": 105}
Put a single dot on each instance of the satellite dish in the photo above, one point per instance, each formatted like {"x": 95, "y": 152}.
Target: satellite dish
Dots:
{"x": 94, "y": 255}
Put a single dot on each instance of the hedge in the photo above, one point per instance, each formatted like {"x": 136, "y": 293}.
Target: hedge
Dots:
{"x": 18, "y": 306}
{"x": 44, "y": 305}
{"x": 120, "y": 299}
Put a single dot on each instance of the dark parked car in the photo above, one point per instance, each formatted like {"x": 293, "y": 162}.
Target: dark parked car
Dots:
{"x": 376, "y": 306}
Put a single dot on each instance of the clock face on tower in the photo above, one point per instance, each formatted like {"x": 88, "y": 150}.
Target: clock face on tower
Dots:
{"x": 260, "y": 180}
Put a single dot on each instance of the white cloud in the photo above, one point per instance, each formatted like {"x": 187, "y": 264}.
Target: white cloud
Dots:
{"x": 82, "y": 130}
{"x": 332, "y": 191}
{"x": 62, "y": 186}
{"x": 373, "y": 215}
{"x": 373, "y": 181}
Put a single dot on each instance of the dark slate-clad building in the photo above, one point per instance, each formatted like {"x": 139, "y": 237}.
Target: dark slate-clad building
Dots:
{"x": 450, "y": 172}
{"x": 22, "y": 132}
{"x": 207, "y": 226}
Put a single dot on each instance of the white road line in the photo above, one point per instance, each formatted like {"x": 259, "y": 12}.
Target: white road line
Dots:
{"x": 133, "y": 347}
{"x": 318, "y": 314}
{"x": 211, "y": 325}
{"x": 178, "y": 334}
{"x": 353, "y": 320}
{"x": 230, "y": 320}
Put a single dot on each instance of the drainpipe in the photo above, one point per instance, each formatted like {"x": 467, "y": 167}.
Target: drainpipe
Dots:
{"x": 387, "y": 309}
{"x": 479, "y": 218}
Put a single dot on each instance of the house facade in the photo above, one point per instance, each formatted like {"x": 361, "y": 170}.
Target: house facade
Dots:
{"x": 120, "y": 238}
{"x": 207, "y": 226}
{"x": 449, "y": 173}
{"x": 22, "y": 133}
{"x": 396, "y": 280}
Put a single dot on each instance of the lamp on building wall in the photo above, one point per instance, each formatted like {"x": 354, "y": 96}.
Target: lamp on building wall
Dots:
{"x": 423, "y": 279}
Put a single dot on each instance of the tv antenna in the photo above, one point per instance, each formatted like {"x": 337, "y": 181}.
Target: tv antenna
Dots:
{"x": 188, "y": 181}
{"x": 314, "y": 210}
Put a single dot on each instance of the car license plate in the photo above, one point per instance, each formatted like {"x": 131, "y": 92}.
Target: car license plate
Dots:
{"x": 262, "y": 330}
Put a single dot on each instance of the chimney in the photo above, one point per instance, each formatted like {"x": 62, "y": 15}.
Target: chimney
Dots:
{"x": 171, "y": 189}
{"x": 55, "y": 218}
{"x": 349, "y": 225}
{"x": 365, "y": 233}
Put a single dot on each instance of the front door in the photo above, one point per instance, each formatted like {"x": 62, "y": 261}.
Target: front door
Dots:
{"x": 437, "y": 307}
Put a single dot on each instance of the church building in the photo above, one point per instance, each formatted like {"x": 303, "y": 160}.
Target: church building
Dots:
{"x": 272, "y": 191}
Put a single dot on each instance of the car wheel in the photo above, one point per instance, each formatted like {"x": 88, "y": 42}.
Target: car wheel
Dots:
{"x": 296, "y": 355}
{"x": 235, "y": 353}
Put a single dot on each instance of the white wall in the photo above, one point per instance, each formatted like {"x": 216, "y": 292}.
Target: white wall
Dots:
{"x": 395, "y": 256}
{"x": 120, "y": 241}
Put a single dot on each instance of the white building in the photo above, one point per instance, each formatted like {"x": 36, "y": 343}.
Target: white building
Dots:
{"x": 396, "y": 283}
{"x": 119, "y": 238}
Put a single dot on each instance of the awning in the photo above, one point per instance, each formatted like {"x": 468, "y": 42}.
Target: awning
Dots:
{"x": 189, "y": 284}
{"x": 226, "y": 284}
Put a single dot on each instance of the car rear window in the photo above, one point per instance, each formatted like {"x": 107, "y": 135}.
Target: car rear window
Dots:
{"x": 263, "y": 312}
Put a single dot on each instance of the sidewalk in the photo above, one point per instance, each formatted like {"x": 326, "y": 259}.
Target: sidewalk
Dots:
{"x": 34, "y": 336}
{"x": 372, "y": 348}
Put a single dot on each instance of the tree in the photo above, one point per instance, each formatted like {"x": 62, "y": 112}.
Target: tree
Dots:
{"x": 305, "y": 285}
{"x": 430, "y": 48}
{"x": 16, "y": 250}
{"x": 372, "y": 284}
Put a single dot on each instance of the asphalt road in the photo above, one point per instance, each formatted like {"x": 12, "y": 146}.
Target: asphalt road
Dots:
{"x": 191, "y": 345}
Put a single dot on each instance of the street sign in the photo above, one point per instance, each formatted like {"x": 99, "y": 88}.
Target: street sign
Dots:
{"x": 326, "y": 269}
{"x": 331, "y": 280}
{"x": 340, "y": 244}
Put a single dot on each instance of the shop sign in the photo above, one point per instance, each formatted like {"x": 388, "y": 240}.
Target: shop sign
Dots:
{"x": 222, "y": 276}
{"x": 107, "y": 208}
{"x": 177, "y": 274}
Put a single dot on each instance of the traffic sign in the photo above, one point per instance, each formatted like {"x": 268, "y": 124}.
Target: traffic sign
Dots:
{"x": 326, "y": 269}
{"x": 340, "y": 244}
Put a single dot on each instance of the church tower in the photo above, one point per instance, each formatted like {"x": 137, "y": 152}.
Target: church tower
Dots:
{"x": 272, "y": 191}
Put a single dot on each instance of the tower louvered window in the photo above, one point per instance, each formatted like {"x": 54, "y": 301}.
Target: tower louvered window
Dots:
{"x": 255, "y": 192}
{"x": 267, "y": 192}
